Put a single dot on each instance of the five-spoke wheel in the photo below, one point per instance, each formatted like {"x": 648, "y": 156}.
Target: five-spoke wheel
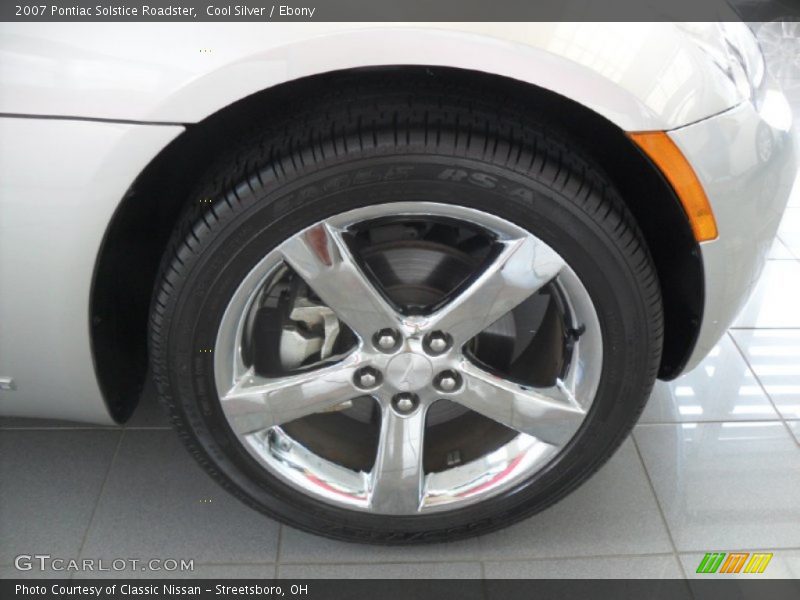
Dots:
{"x": 407, "y": 357}
{"x": 405, "y": 310}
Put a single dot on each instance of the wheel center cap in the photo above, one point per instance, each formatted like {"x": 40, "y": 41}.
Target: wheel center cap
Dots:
{"x": 409, "y": 371}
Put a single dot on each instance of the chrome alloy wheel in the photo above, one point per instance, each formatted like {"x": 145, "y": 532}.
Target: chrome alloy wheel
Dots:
{"x": 319, "y": 348}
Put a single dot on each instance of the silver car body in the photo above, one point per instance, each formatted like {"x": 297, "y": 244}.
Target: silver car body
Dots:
{"x": 84, "y": 108}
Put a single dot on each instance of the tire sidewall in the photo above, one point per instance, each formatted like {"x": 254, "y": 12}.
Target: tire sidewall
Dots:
{"x": 263, "y": 216}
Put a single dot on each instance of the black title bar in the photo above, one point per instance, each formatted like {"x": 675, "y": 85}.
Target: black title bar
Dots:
{"x": 435, "y": 589}
{"x": 397, "y": 10}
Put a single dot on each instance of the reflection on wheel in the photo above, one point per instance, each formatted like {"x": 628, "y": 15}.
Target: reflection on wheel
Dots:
{"x": 421, "y": 330}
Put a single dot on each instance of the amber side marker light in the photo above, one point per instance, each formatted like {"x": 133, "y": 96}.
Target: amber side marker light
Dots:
{"x": 660, "y": 148}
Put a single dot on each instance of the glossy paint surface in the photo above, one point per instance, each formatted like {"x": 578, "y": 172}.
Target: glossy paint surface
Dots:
{"x": 708, "y": 468}
{"x": 60, "y": 182}
{"x": 640, "y": 76}
{"x": 746, "y": 160}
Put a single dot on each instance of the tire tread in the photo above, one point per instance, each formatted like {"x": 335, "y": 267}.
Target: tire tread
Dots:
{"x": 378, "y": 118}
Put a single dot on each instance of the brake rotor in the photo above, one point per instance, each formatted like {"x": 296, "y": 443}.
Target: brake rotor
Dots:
{"x": 415, "y": 274}
{"x": 418, "y": 274}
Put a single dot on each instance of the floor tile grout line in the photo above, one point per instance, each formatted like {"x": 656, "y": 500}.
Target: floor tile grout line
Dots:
{"x": 500, "y": 561}
{"x": 709, "y": 422}
{"x": 579, "y": 557}
{"x": 714, "y": 422}
{"x": 46, "y": 428}
{"x": 398, "y": 561}
{"x": 658, "y": 504}
{"x": 699, "y": 422}
{"x": 734, "y": 328}
{"x": 748, "y": 549}
{"x": 484, "y": 585}
{"x": 295, "y": 563}
{"x": 563, "y": 557}
{"x": 243, "y": 563}
{"x": 79, "y": 428}
{"x": 348, "y": 563}
{"x": 477, "y": 560}
{"x": 791, "y": 432}
{"x": 100, "y": 494}
{"x": 763, "y": 387}
{"x": 786, "y": 246}
{"x": 278, "y": 549}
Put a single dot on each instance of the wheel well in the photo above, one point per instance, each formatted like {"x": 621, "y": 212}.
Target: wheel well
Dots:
{"x": 141, "y": 227}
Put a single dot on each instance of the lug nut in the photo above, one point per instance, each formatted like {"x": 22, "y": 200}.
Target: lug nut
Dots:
{"x": 405, "y": 403}
{"x": 386, "y": 339}
{"x": 437, "y": 342}
{"x": 447, "y": 381}
{"x": 367, "y": 378}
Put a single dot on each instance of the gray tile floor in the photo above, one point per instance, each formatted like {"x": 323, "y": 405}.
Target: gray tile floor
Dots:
{"x": 713, "y": 465}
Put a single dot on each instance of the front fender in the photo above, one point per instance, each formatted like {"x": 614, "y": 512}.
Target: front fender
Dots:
{"x": 640, "y": 76}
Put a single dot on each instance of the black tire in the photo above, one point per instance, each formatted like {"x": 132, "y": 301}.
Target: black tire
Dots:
{"x": 372, "y": 143}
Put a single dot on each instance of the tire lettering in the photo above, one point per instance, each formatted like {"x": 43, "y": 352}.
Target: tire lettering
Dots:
{"x": 523, "y": 193}
{"x": 483, "y": 180}
{"x": 398, "y": 172}
{"x": 308, "y": 192}
{"x": 336, "y": 183}
{"x": 480, "y": 179}
{"x": 453, "y": 175}
{"x": 366, "y": 176}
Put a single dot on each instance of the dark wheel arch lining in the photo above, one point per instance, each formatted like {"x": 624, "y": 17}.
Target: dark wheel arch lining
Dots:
{"x": 138, "y": 234}
{"x": 293, "y": 171}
